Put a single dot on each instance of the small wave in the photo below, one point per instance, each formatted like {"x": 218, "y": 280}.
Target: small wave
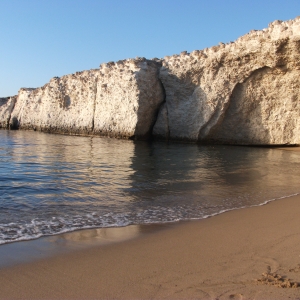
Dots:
{"x": 36, "y": 228}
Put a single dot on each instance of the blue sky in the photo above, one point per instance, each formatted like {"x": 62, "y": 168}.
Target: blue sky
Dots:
{"x": 41, "y": 39}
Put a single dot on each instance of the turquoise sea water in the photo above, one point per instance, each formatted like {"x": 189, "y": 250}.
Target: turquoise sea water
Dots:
{"x": 51, "y": 184}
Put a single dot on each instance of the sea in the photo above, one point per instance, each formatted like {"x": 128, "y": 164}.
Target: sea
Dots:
{"x": 52, "y": 184}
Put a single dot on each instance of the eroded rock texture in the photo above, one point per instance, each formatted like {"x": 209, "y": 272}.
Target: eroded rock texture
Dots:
{"x": 265, "y": 109}
{"x": 119, "y": 100}
{"x": 6, "y": 108}
{"x": 247, "y": 92}
{"x": 128, "y": 98}
{"x": 64, "y": 105}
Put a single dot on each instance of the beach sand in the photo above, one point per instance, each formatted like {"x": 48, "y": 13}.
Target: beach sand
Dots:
{"x": 239, "y": 254}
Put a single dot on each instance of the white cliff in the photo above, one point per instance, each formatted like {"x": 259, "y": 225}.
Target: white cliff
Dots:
{"x": 129, "y": 94}
{"x": 64, "y": 105}
{"x": 6, "y": 107}
{"x": 118, "y": 100}
{"x": 243, "y": 92}
{"x": 246, "y": 92}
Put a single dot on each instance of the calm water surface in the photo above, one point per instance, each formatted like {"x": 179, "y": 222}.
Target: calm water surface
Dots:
{"x": 51, "y": 184}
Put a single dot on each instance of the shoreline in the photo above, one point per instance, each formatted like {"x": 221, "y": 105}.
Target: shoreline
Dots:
{"x": 30, "y": 250}
{"x": 293, "y": 147}
{"x": 219, "y": 257}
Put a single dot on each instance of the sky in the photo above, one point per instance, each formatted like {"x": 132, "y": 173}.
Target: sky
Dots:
{"x": 40, "y": 39}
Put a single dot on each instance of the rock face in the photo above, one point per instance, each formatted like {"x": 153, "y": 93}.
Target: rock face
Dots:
{"x": 129, "y": 94}
{"x": 264, "y": 109}
{"x": 6, "y": 108}
{"x": 119, "y": 100}
{"x": 64, "y": 105}
{"x": 247, "y": 92}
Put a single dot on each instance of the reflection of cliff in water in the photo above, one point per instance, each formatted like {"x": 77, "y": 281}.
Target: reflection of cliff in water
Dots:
{"x": 103, "y": 182}
{"x": 189, "y": 174}
{"x": 73, "y": 171}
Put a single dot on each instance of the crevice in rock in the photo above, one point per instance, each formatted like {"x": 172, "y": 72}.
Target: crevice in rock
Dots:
{"x": 164, "y": 103}
{"x": 14, "y": 99}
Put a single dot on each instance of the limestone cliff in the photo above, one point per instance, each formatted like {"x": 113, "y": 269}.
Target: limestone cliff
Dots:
{"x": 64, "y": 105}
{"x": 119, "y": 99}
{"x": 246, "y": 92}
{"x": 6, "y": 108}
{"x": 129, "y": 95}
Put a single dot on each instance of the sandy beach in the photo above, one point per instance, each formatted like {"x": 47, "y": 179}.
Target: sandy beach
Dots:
{"x": 250, "y": 253}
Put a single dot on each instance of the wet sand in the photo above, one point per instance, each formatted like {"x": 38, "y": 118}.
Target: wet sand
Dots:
{"x": 250, "y": 253}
